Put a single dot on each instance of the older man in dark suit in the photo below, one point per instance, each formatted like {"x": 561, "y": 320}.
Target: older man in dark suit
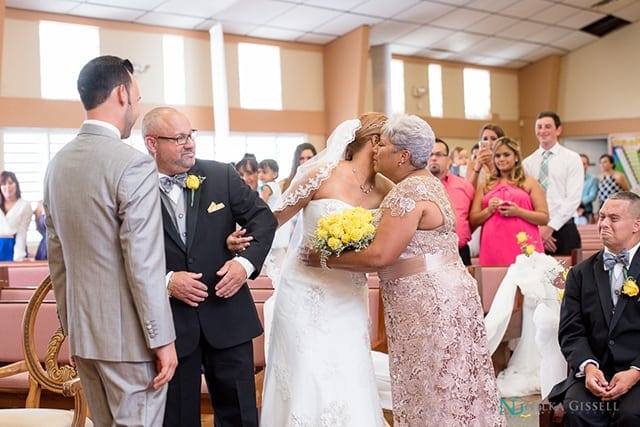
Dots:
{"x": 213, "y": 311}
{"x": 600, "y": 324}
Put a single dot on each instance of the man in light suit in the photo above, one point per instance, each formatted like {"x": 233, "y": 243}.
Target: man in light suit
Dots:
{"x": 213, "y": 311}
{"x": 106, "y": 254}
{"x": 599, "y": 333}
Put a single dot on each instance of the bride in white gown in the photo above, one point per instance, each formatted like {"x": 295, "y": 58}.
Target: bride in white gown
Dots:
{"x": 319, "y": 369}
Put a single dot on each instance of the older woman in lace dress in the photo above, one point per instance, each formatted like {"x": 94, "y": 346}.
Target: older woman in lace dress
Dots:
{"x": 441, "y": 371}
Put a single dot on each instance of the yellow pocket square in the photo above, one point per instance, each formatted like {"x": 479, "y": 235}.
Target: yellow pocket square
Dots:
{"x": 215, "y": 207}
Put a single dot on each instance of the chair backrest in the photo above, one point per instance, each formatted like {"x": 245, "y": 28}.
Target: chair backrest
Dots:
{"x": 62, "y": 379}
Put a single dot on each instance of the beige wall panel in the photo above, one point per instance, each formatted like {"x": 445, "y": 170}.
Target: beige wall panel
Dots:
{"x": 233, "y": 82}
{"x": 302, "y": 80}
{"x": 452, "y": 92}
{"x": 141, "y": 49}
{"x": 21, "y": 59}
{"x": 197, "y": 56}
{"x": 504, "y": 95}
{"x": 600, "y": 80}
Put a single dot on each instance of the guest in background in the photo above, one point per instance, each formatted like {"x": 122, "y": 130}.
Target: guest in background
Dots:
{"x": 482, "y": 166}
{"x": 459, "y": 161}
{"x": 14, "y": 219}
{"x": 589, "y": 193}
{"x": 509, "y": 202}
{"x": 610, "y": 180}
{"x": 247, "y": 168}
{"x": 441, "y": 370}
{"x": 271, "y": 195}
{"x": 460, "y": 193}
{"x": 599, "y": 320}
{"x": 302, "y": 153}
{"x": 41, "y": 253}
{"x": 561, "y": 174}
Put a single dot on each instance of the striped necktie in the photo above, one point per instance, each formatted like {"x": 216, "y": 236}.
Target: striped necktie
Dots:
{"x": 543, "y": 176}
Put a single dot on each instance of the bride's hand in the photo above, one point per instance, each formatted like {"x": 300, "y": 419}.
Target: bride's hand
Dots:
{"x": 237, "y": 242}
{"x": 309, "y": 256}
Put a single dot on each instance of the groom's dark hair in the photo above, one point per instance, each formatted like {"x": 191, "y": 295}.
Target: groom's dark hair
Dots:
{"x": 99, "y": 76}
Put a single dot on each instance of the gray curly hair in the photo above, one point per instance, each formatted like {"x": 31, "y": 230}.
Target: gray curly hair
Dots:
{"x": 409, "y": 132}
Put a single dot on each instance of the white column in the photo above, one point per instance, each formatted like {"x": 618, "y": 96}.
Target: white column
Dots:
{"x": 219, "y": 83}
{"x": 381, "y": 77}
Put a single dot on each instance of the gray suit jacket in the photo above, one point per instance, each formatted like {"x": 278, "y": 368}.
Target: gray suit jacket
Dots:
{"x": 106, "y": 248}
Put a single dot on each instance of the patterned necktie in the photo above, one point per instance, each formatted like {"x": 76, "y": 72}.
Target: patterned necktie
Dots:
{"x": 610, "y": 260}
{"x": 543, "y": 176}
{"x": 167, "y": 182}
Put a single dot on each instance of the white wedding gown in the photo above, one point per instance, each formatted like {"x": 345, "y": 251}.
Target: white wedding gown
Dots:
{"x": 319, "y": 368}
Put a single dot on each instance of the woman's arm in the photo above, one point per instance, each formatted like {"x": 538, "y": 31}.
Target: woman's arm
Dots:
{"x": 24, "y": 218}
{"x": 621, "y": 180}
{"x": 477, "y": 215}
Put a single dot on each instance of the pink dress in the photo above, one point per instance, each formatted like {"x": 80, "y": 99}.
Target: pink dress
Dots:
{"x": 498, "y": 245}
{"x": 440, "y": 366}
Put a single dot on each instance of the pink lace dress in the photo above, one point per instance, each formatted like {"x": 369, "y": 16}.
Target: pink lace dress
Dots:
{"x": 498, "y": 244}
{"x": 441, "y": 371}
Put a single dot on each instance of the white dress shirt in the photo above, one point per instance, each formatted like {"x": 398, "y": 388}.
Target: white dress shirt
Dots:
{"x": 566, "y": 179}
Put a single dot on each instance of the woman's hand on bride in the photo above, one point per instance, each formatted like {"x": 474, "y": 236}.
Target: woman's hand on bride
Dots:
{"x": 237, "y": 241}
{"x": 309, "y": 256}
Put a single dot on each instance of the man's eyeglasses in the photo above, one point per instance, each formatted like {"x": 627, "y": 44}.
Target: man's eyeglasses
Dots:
{"x": 438, "y": 155}
{"x": 179, "y": 139}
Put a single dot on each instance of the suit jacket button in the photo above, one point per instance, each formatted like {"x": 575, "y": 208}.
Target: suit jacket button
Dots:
{"x": 611, "y": 342}
{"x": 190, "y": 260}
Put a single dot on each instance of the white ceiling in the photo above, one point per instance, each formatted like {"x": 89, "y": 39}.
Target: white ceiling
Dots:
{"x": 508, "y": 33}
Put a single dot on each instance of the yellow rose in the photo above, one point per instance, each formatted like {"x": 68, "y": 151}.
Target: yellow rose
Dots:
{"x": 334, "y": 243}
{"x": 193, "y": 182}
{"x": 356, "y": 234}
{"x": 522, "y": 237}
{"x": 630, "y": 287}
{"x": 335, "y": 230}
{"x": 529, "y": 249}
{"x": 322, "y": 233}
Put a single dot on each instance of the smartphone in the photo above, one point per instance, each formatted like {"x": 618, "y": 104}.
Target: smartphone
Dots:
{"x": 483, "y": 144}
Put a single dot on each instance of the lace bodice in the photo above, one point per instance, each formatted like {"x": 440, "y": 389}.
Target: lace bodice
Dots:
{"x": 403, "y": 198}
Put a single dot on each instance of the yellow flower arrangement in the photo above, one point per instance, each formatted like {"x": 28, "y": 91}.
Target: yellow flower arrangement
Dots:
{"x": 630, "y": 286}
{"x": 193, "y": 183}
{"x": 523, "y": 240}
{"x": 345, "y": 230}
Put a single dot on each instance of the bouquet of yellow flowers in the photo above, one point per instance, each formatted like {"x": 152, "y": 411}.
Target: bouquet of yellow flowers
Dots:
{"x": 523, "y": 240}
{"x": 350, "y": 229}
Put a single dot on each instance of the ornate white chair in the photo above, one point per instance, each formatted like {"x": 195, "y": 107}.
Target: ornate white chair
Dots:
{"x": 62, "y": 380}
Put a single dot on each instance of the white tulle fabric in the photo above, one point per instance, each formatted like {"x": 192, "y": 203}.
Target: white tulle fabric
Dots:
{"x": 537, "y": 362}
{"x": 316, "y": 170}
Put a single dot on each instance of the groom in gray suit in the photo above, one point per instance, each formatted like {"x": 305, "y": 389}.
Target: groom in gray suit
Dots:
{"x": 106, "y": 254}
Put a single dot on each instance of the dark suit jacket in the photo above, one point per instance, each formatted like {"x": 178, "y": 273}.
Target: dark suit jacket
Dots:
{"x": 590, "y": 328}
{"x": 224, "y": 322}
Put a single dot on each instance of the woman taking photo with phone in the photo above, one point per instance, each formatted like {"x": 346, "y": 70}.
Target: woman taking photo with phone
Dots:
{"x": 509, "y": 202}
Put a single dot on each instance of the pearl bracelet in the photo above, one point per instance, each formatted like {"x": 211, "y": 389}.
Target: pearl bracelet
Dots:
{"x": 323, "y": 261}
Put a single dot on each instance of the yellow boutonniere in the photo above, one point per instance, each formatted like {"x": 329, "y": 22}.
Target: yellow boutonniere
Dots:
{"x": 630, "y": 286}
{"x": 193, "y": 183}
